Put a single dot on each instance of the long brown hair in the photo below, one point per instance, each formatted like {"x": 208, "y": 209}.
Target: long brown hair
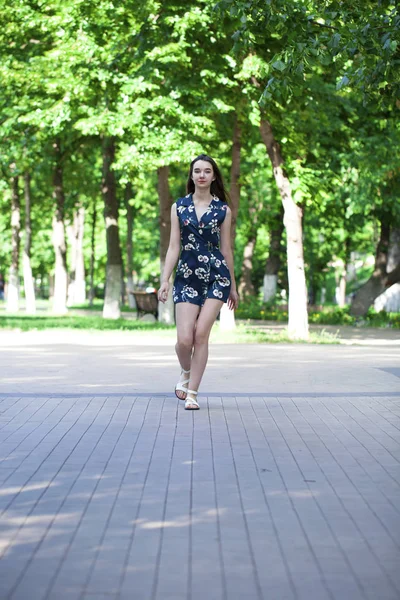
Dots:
{"x": 217, "y": 186}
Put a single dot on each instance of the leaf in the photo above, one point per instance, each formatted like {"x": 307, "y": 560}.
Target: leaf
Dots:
{"x": 387, "y": 44}
{"x": 236, "y": 35}
{"x": 279, "y": 65}
{"x": 343, "y": 82}
{"x": 335, "y": 40}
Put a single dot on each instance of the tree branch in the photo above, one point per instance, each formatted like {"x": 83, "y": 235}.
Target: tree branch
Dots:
{"x": 323, "y": 25}
{"x": 393, "y": 277}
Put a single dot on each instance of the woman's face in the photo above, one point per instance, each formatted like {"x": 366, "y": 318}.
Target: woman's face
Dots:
{"x": 203, "y": 174}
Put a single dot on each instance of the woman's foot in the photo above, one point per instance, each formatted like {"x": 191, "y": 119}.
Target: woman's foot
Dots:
{"x": 191, "y": 400}
{"x": 182, "y": 385}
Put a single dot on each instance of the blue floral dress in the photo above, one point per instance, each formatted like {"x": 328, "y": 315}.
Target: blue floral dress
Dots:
{"x": 202, "y": 271}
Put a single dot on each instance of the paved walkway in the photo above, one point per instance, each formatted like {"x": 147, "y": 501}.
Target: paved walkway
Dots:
{"x": 285, "y": 485}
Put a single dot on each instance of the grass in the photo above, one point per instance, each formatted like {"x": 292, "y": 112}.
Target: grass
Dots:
{"x": 97, "y": 323}
{"x": 251, "y": 335}
{"x": 251, "y": 309}
{"x": 98, "y": 306}
{"x": 327, "y": 315}
{"x": 243, "y": 334}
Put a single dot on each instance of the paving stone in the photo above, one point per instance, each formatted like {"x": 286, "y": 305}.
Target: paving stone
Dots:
{"x": 289, "y": 495}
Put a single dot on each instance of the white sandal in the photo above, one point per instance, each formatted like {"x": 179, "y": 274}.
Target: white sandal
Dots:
{"x": 181, "y": 387}
{"x": 191, "y": 403}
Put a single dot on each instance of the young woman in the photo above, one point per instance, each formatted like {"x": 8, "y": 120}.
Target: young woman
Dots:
{"x": 201, "y": 234}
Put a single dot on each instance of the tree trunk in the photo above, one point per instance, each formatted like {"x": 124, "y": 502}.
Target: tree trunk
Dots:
{"x": 341, "y": 281}
{"x": 227, "y": 317}
{"x": 92, "y": 253}
{"x": 129, "y": 244}
{"x": 381, "y": 278}
{"x": 234, "y": 188}
{"x": 29, "y": 287}
{"x": 298, "y": 317}
{"x": 246, "y": 287}
{"x": 111, "y": 309}
{"x": 123, "y": 285}
{"x": 77, "y": 285}
{"x": 273, "y": 263}
{"x": 165, "y": 311}
{"x": 343, "y": 274}
{"x": 80, "y": 283}
{"x": 342, "y": 288}
{"x": 60, "y": 248}
{"x": 390, "y": 299}
{"x": 70, "y": 230}
{"x": 13, "y": 278}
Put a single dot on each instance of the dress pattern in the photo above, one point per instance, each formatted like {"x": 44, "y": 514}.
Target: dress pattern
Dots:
{"x": 202, "y": 271}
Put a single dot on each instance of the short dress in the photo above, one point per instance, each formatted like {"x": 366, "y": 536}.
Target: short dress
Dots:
{"x": 202, "y": 271}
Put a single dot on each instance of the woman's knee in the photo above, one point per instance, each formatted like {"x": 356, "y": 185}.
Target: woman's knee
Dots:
{"x": 185, "y": 341}
{"x": 201, "y": 336}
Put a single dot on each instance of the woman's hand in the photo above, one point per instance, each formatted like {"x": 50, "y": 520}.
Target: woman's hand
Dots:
{"x": 163, "y": 292}
{"x": 233, "y": 300}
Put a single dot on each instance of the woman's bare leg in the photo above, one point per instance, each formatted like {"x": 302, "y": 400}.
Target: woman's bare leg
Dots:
{"x": 206, "y": 320}
{"x": 186, "y": 315}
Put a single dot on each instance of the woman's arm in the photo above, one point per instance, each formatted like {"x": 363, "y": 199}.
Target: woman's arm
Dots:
{"x": 226, "y": 250}
{"x": 172, "y": 255}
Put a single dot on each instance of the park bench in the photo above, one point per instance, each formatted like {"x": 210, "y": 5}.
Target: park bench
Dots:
{"x": 146, "y": 303}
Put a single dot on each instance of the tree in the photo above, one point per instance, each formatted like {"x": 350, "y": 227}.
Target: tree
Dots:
{"x": 160, "y": 81}
{"x": 358, "y": 41}
{"x": 75, "y": 230}
{"x": 130, "y": 218}
{"x": 29, "y": 287}
{"x": 298, "y": 319}
{"x": 253, "y": 203}
{"x": 13, "y": 278}
{"x": 285, "y": 44}
{"x": 273, "y": 263}
{"x": 111, "y": 308}
{"x": 92, "y": 252}
{"x": 382, "y": 277}
{"x": 227, "y": 317}
{"x": 59, "y": 242}
{"x": 166, "y": 311}
{"x": 390, "y": 299}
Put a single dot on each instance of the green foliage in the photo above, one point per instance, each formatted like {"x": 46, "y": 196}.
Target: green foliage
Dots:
{"x": 329, "y": 315}
{"x": 164, "y": 79}
{"x": 356, "y": 41}
{"x": 242, "y": 335}
{"x": 39, "y": 323}
{"x": 255, "y": 309}
{"x": 332, "y": 316}
{"x": 382, "y": 319}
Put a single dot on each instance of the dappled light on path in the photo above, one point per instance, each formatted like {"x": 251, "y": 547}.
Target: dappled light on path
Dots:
{"x": 107, "y": 484}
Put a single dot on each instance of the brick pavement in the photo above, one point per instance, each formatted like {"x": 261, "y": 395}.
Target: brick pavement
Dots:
{"x": 280, "y": 494}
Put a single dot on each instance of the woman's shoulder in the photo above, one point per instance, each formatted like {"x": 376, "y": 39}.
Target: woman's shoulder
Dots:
{"x": 183, "y": 201}
{"x": 181, "y": 204}
{"x": 220, "y": 200}
{"x": 221, "y": 204}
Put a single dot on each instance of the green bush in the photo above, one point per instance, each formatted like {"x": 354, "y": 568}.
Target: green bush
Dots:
{"x": 253, "y": 309}
{"x": 328, "y": 315}
{"x": 382, "y": 319}
{"x": 27, "y": 323}
{"x": 331, "y": 316}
